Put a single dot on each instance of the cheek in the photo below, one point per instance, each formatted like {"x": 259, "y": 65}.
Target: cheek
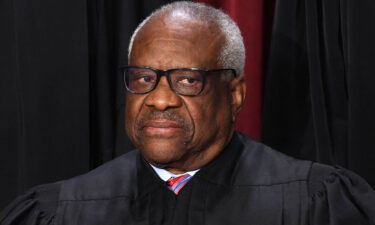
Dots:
{"x": 133, "y": 105}
{"x": 211, "y": 115}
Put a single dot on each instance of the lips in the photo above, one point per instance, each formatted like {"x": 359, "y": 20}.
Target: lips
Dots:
{"x": 161, "y": 127}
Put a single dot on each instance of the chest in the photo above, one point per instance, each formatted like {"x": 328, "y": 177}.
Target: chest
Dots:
{"x": 197, "y": 204}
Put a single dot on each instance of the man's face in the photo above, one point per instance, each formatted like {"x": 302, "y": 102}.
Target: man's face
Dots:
{"x": 172, "y": 131}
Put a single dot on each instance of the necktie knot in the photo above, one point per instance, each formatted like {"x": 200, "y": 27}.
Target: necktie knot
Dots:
{"x": 175, "y": 184}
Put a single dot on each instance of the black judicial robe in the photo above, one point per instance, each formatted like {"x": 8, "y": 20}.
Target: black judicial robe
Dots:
{"x": 248, "y": 183}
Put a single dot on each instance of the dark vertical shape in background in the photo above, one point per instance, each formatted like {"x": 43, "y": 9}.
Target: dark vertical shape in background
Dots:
{"x": 286, "y": 101}
{"x": 10, "y": 121}
{"x": 318, "y": 97}
{"x": 102, "y": 82}
{"x": 358, "y": 24}
{"x": 44, "y": 123}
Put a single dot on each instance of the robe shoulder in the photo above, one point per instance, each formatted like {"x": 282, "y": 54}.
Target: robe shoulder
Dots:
{"x": 260, "y": 165}
{"x": 39, "y": 205}
{"x": 334, "y": 195}
{"x": 36, "y": 207}
{"x": 339, "y": 196}
{"x": 111, "y": 180}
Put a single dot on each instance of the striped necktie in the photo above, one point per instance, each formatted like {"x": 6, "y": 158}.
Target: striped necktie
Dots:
{"x": 175, "y": 184}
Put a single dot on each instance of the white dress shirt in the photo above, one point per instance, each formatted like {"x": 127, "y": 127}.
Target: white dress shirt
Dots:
{"x": 165, "y": 174}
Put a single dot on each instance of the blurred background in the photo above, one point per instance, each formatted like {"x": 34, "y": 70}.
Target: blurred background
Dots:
{"x": 310, "y": 73}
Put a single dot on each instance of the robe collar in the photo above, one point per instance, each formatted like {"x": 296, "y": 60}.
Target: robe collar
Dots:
{"x": 219, "y": 171}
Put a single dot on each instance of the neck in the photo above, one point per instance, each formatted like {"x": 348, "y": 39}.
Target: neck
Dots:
{"x": 175, "y": 171}
{"x": 198, "y": 159}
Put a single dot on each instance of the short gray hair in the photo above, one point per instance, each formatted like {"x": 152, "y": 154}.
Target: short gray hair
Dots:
{"x": 232, "y": 54}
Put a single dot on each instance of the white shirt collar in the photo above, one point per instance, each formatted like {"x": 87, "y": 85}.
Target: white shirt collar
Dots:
{"x": 165, "y": 174}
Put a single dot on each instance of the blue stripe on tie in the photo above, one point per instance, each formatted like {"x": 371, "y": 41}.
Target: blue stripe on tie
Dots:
{"x": 180, "y": 184}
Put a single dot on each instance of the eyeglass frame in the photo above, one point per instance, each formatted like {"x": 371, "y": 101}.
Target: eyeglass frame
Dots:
{"x": 166, "y": 73}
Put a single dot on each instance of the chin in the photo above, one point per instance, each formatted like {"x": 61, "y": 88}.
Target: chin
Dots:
{"x": 160, "y": 160}
{"x": 162, "y": 153}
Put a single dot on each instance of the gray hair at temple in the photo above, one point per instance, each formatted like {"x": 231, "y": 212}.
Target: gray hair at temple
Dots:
{"x": 232, "y": 54}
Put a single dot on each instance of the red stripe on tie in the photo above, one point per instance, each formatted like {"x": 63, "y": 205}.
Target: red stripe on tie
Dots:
{"x": 175, "y": 184}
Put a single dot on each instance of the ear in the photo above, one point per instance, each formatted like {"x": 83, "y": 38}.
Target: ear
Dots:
{"x": 238, "y": 92}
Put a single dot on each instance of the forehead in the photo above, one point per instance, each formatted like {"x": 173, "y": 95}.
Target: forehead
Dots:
{"x": 171, "y": 41}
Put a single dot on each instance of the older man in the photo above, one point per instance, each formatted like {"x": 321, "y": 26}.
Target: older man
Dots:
{"x": 184, "y": 89}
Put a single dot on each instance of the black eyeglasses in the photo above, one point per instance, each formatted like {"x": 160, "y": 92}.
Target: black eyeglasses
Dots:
{"x": 183, "y": 81}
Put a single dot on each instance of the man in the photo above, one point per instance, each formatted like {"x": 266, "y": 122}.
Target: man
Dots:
{"x": 184, "y": 89}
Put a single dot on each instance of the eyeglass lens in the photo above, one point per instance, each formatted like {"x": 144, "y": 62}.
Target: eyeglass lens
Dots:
{"x": 182, "y": 81}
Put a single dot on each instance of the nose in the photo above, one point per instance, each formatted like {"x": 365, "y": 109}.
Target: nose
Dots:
{"x": 163, "y": 97}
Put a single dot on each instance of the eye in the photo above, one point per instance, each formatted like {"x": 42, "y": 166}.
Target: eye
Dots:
{"x": 146, "y": 79}
{"x": 142, "y": 82}
{"x": 143, "y": 78}
{"x": 188, "y": 81}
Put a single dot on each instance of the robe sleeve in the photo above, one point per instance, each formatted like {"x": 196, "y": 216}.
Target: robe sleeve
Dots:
{"x": 339, "y": 196}
{"x": 36, "y": 207}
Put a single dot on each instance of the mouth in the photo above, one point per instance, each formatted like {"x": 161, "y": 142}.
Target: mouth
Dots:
{"x": 161, "y": 127}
